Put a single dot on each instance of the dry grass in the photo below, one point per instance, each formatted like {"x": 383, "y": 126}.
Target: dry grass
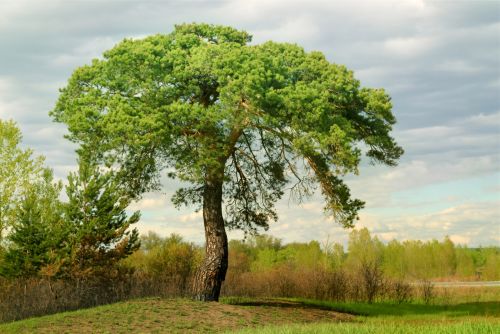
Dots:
{"x": 155, "y": 315}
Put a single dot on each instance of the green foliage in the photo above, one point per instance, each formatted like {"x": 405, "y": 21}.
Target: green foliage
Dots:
{"x": 395, "y": 264}
{"x": 98, "y": 234}
{"x": 19, "y": 171}
{"x": 37, "y": 233}
{"x": 363, "y": 249}
{"x": 165, "y": 257}
{"x": 206, "y": 105}
{"x": 334, "y": 255}
{"x": 465, "y": 262}
{"x": 48, "y": 238}
{"x": 491, "y": 268}
{"x": 411, "y": 260}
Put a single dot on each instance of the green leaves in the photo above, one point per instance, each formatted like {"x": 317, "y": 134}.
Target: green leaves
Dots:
{"x": 36, "y": 231}
{"x": 97, "y": 224}
{"x": 201, "y": 103}
{"x": 18, "y": 171}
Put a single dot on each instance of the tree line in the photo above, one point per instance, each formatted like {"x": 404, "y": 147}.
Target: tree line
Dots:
{"x": 410, "y": 260}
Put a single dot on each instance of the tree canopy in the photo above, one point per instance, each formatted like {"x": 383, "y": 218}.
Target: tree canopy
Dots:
{"x": 203, "y": 101}
{"x": 235, "y": 121}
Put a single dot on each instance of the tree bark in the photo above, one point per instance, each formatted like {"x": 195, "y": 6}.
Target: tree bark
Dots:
{"x": 209, "y": 277}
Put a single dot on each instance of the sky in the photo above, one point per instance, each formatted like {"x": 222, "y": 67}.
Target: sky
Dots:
{"x": 438, "y": 60}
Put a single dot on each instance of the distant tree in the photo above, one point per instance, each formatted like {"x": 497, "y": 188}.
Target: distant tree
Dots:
{"x": 334, "y": 255}
{"x": 395, "y": 265}
{"x": 37, "y": 230}
{"x": 491, "y": 269}
{"x": 362, "y": 248}
{"x": 365, "y": 257}
{"x": 263, "y": 241}
{"x": 446, "y": 258}
{"x": 302, "y": 255}
{"x": 236, "y": 121}
{"x": 240, "y": 256}
{"x": 170, "y": 260}
{"x": 98, "y": 234}
{"x": 465, "y": 262}
{"x": 18, "y": 170}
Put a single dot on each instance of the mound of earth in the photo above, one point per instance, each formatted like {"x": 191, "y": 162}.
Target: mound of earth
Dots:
{"x": 178, "y": 316}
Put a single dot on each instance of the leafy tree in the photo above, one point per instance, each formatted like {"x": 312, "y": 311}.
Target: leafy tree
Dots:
{"x": 238, "y": 122}
{"x": 362, "y": 249}
{"x": 240, "y": 257}
{"x": 18, "y": 170}
{"x": 170, "y": 259}
{"x": 491, "y": 269}
{"x": 335, "y": 255}
{"x": 394, "y": 260}
{"x": 465, "y": 262}
{"x": 37, "y": 231}
{"x": 98, "y": 235}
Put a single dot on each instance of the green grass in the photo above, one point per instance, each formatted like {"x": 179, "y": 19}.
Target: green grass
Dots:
{"x": 409, "y": 309}
{"x": 382, "y": 328}
{"x": 252, "y": 316}
{"x": 470, "y": 318}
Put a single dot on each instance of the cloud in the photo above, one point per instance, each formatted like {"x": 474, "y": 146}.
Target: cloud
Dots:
{"x": 188, "y": 233}
{"x": 474, "y": 223}
{"x": 192, "y": 217}
{"x": 150, "y": 203}
{"x": 439, "y": 61}
{"x": 84, "y": 53}
{"x": 409, "y": 46}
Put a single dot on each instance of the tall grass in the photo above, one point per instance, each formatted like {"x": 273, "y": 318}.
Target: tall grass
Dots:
{"x": 20, "y": 299}
{"x": 467, "y": 327}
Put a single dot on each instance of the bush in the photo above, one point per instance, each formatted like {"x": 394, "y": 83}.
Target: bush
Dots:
{"x": 372, "y": 279}
{"x": 400, "y": 292}
{"x": 426, "y": 291}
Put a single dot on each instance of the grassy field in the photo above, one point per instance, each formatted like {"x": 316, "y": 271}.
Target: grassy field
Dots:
{"x": 244, "y": 315}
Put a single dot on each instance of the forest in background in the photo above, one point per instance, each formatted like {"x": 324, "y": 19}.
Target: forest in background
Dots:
{"x": 263, "y": 266}
{"x": 411, "y": 260}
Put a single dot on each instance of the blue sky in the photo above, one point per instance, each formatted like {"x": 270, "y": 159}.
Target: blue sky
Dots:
{"x": 439, "y": 61}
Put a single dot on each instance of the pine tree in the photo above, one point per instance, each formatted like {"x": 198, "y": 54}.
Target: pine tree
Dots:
{"x": 98, "y": 224}
{"x": 37, "y": 232}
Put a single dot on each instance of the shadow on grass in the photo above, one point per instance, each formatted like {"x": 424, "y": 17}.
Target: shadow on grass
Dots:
{"x": 376, "y": 309}
{"x": 389, "y": 309}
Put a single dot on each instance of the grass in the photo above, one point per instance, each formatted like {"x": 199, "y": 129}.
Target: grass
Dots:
{"x": 379, "y": 328}
{"x": 479, "y": 317}
{"x": 155, "y": 315}
{"x": 411, "y": 310}
{"x": 247, "y": 315}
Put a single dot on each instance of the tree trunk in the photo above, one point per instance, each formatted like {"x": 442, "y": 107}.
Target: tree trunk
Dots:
{"x": 209, "y": 277}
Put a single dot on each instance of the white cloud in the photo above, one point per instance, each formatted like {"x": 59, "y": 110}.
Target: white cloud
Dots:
{"x": 438, "y": 60}
{"x": 460, "y": 239}
{"x": 151, "y": 202}
{"x": 409, "y": 46}
{"x": 298, "y": 29}
{"x": 473, "y": 223}
{"x": 82, "y": 54}
{"x": 9, "y": 10}
{"x": 192, "y": 217}
{"x": 188, "y": 233}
